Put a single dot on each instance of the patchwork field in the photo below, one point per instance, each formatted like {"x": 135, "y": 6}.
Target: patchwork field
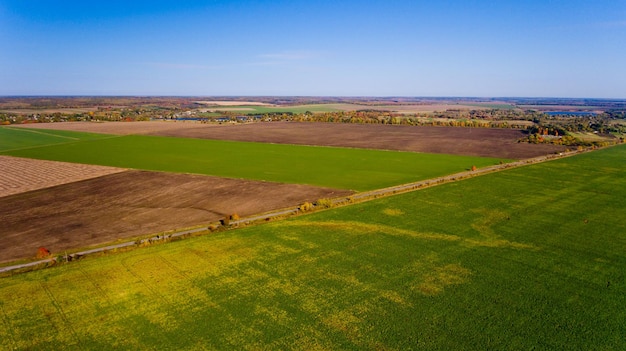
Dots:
{"x": 529, "y": 258}
{"x": 341, "y": 168}
{"x": 316, "y": 108}
{"x": 133, "y": 203}
{"x": 500, "y": 143}
{"x": 441, "y": 140}
{"x": 232, "y": 103}
{"x": 130, "y": 204}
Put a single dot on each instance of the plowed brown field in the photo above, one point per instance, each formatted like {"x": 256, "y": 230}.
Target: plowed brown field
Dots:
{"x": 18, "y": 175}
{"x": 489, "y": 142}
{"x": 118, "y": 128}
{"x": 133, "y": 203}
{"x": 499, "y": 143}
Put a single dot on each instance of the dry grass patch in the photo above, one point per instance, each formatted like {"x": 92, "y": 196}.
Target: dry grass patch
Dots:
{"x": 394, "y": 212}
{"x": 434, "y": 282}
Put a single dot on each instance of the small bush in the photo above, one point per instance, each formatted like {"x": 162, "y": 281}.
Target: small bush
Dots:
{"x": 307, "y": 206}
{"x": 225, "y": 221}
{"x": 324, "y": 203}
{"x": 42, "y": 252}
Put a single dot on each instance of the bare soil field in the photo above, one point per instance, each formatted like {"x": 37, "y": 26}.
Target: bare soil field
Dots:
{"x": 118, "y": 128}
{"x": 232, "y": 103}
{"x": 488, "y": 142}
{"x": 18, "y": 175}
{"x": 133, "y": 203}
{"x": 243, "y": 109}
{"x": 500, "y": 143}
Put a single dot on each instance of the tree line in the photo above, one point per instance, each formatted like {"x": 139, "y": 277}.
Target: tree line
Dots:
{"x": 539, "y": 127}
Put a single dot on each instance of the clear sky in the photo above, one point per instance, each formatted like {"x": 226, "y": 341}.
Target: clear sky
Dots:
{"x": 532, "y": 48}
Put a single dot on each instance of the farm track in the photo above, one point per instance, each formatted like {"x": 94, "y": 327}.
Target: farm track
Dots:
{"x": 61, "y": 312}
{"x": 453, "y": 177}
{"x": 338, "y": 201}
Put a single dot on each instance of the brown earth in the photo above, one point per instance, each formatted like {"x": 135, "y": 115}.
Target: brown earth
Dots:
{"x": 118, "y": 128}
{"x": 232, "y": 103}
{"x": 133, "y": 203}
{"x": 490, "y": 142}
{"x": 18, "y": 175}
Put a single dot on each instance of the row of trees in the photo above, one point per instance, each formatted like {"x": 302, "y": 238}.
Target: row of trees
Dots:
{"x": 540, "y": 127}
{"x": 448, "y": 118}
{"x": 100, "y": 114}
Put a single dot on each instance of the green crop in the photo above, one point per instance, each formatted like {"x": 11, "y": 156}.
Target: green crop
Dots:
{"x": 20, "y": 138}
{"x": 528, "y": 258}
{"x": 344, "y": 168}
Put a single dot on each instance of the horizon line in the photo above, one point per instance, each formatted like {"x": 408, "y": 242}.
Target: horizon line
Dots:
{"x": 309, "y": 96}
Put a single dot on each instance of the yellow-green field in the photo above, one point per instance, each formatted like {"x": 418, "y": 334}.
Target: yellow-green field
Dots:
{"x": 529, "y": 258}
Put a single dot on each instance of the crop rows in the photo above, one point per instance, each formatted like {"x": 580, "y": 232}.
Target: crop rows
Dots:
{"x": 18, "y": 175}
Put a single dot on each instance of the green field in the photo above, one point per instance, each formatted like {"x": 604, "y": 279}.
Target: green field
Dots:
{"x": 341, "y": 168}
{"x": 19, "y": 138}
{"x": 528, "y": 258}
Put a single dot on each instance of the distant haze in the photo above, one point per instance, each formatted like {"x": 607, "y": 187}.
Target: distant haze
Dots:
{"x": 314, "y": 48}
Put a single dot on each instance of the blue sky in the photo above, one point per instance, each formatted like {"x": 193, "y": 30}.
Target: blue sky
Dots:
{"x": 548, "y": 48}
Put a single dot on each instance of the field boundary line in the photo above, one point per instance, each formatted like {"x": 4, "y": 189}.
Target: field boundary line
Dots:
{"x": 414, "y": 186}
{"x": 21, "y": 174}
{"x": 293, "y": 211}
{"x": 43, "y": 133}
{"x": 73, "y": 141}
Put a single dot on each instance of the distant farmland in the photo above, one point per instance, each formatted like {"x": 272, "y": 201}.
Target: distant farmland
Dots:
{"x": 319, "y": 108}
{"x": 487, "y": 142}
{"x": 19, "y": 138}
{"x": 252, "y": 109}
{"x": 261, "y": 177}
{"x": 342, "y": 168}
{"x": 530, "y": 258}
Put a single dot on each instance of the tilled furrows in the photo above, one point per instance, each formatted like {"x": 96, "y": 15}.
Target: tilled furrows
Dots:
{"x": 18, "y": 175}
